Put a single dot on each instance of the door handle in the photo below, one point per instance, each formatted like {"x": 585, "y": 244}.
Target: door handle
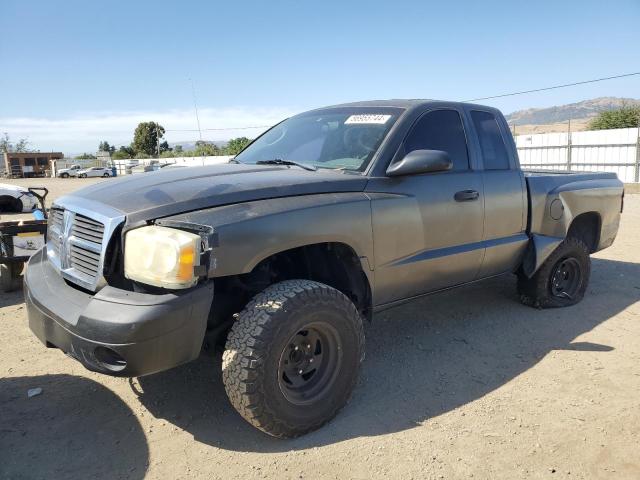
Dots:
{"x": 466, "y": 195}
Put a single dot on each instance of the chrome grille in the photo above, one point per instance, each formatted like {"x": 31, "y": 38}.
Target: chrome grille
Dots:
{"x": 87, "y": 229}
{"x": 54, "y": 228}
{"x": 84, "y": 260}
{"x": 76, "y": 243}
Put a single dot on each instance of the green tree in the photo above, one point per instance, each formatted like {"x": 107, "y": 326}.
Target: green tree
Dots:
{"x": 178, "y": 150}
{"x": 120, "y": 155}
{"x": 5, "y": 143}
{"x": 205, "y": 149}
{"x": 85, "y": 156}
{"x": 625, "y": 117}
{"x": 123, "y": 152}
{"x": 146, "y": 138}
{"x": 7, "y": 146}
{"x": 105, "y": 147}
{"x": 236, "y": 145}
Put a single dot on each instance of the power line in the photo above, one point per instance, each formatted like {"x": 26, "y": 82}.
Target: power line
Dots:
{"x": 471, "y": 100}
{"x": 554, "y": 87}
{"x": 583, "y": 82}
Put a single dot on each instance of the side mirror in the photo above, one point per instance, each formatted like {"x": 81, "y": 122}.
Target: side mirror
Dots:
{"x": 421, "y": 161}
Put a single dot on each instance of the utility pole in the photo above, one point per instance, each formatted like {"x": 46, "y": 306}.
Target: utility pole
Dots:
{"x": 195, "y": 104}
{"x": 637, "y": 172}
{"x": 569, "y": 146}
{"x": 157, "y": 141}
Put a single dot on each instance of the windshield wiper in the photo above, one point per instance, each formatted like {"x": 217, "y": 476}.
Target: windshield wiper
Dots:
{"x": 280, "y": 161}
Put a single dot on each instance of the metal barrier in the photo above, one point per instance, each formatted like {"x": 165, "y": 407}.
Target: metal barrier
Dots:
{"x": 615, "y": 151}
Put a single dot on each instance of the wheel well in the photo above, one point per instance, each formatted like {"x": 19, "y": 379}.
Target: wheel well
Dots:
{"x": 334, "y": 264}
{"x": 7, "y": 201}
{"x": 586, "y": 227}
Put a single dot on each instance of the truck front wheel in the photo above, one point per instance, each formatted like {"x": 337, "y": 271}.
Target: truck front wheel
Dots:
{"x": 292, "y": 357}
{"x": 562, "y": 279}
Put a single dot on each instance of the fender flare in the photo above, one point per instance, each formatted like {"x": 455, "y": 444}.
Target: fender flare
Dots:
{"x": 538, "y": 250}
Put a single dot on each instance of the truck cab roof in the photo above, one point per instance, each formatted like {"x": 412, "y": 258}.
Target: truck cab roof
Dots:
{"x": 411, "y": 104}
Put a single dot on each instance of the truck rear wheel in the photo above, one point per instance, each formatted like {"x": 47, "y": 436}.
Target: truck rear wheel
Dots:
{"x": 562, "y": 279}
{"x": 292, "y": 357}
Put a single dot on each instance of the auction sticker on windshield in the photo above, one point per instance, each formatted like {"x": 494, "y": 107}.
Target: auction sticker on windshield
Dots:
{"x": 367, "y": 119}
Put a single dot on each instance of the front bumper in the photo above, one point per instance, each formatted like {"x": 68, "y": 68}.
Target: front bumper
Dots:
{"x": 116, "y": 332}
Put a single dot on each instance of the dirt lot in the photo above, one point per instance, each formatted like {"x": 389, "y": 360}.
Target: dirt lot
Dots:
{"x": 466, "y": 384}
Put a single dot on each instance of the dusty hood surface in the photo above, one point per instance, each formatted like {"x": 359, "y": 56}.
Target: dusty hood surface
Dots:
{"x": 158, "y": 194}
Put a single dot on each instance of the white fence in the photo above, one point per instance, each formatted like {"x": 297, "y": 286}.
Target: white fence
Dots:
{"x": 123, "y": 167}
{"x": 198, "y": 161}
{"x": 596, "y": 151}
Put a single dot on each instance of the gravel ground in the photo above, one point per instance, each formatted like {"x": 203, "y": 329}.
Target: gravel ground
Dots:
{"x": 482, "y": 388}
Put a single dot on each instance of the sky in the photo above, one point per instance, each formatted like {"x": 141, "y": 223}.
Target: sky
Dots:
{"x": 73, "y": 73}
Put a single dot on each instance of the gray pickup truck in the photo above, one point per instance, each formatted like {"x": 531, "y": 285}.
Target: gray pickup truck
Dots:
{"x": 282, "y": 254}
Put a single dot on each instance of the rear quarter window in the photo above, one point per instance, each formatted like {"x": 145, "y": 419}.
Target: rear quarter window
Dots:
{"x": 494, "y": 151}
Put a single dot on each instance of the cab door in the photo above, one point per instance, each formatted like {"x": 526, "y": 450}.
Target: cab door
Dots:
{"x": 505, "y": 198}
{"x": 428, "y": 228}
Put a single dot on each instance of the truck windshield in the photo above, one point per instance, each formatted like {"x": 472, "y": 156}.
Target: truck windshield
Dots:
{"x": 342, "y": 138}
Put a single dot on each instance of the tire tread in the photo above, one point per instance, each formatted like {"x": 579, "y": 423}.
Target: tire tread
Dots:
{"x": 249, "y": 339}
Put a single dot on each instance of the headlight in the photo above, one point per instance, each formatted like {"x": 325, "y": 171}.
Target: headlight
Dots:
{"x": 161, "y": 256}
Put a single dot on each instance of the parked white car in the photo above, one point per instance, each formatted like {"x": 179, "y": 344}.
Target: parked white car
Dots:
{"x": 72, "y": 171}
{"x": 95, "y": 172}
{"x": 16, "y": 199}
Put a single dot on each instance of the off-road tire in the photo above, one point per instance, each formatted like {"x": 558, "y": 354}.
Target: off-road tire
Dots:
{"x": 536, "y": 291}
{"x": 256, "y": 345}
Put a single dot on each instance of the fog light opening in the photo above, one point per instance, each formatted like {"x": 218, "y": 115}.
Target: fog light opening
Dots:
{"x": 110, "y": 359}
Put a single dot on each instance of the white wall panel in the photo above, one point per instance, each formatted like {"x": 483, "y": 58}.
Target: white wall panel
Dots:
{"x": 596, "y": 151}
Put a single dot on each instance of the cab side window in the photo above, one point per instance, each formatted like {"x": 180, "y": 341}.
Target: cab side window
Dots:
{"x": 440, "y": 130}
{"x": 494, "y": 152}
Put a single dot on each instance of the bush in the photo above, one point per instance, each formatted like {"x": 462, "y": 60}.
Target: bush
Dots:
{"x": 625, "y": 117}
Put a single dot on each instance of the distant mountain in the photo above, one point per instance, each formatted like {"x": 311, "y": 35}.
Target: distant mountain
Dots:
{"x": 573, "y": 111}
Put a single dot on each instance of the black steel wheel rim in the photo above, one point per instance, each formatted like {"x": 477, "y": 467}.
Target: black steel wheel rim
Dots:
{"x": 309, "y": 363}
{"x": 566, "y": 278}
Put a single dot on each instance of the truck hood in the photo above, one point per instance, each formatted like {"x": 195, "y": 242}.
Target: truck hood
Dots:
{"x": 152, "y": 195}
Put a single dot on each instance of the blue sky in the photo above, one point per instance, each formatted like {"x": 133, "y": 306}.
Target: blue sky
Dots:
{"x": 76, "y": 72}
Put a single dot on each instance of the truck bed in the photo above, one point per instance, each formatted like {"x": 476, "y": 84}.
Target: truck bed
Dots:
{"x": 572, "y": 174}
{"x": 556, "y": 198}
